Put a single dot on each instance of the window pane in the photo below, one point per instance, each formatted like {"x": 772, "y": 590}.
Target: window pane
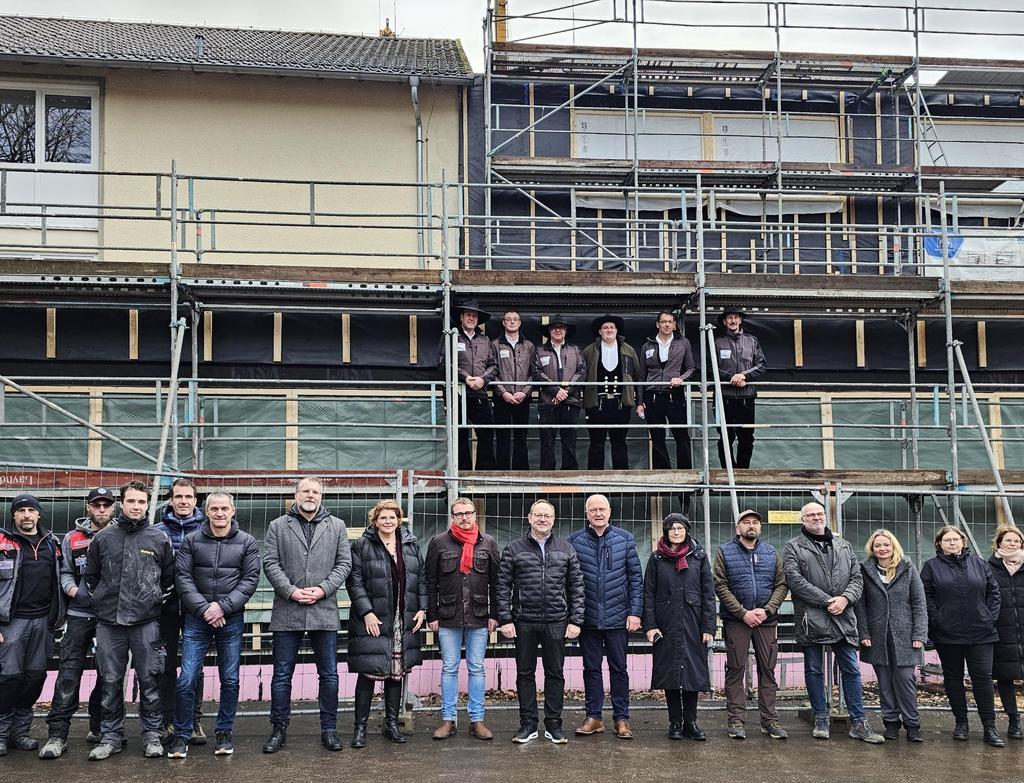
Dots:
{"x": 68, "y": 129}
{"x": 17, "y": 126}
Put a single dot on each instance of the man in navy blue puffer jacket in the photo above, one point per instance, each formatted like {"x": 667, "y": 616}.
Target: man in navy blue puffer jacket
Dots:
{"x": 613, "y": 587}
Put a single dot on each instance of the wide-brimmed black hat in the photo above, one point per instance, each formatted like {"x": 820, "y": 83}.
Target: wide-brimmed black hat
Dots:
{"x": 558, "y": 318}
{"x": 600, "y": 321}
{"x": 729, "y": 310}
{"x": 471, "y": 305}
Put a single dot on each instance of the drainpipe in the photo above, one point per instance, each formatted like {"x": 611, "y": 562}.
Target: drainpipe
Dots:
{"x": 414, "y": 87}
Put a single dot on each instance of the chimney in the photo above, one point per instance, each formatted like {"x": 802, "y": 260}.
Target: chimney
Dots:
{"x": 200, "y": 45}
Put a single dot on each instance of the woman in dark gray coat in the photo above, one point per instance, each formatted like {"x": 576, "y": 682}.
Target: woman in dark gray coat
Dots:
{"x": 892, "y": 619}
{"x": 388, "y": 590}
{"x": 1008, "y": 655}
{"x": 679, "y": 620}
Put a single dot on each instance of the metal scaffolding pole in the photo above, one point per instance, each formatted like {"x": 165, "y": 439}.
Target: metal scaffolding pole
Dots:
{"x": 947, "y": 311}
{"x": 723, "y": 428}
{"x": 969, "y": 388}
{"x": 449, "y": 353}
{"x": 910, "y": 324}
{"x": 175, "y": 271}
{"x": 170, "y": 405}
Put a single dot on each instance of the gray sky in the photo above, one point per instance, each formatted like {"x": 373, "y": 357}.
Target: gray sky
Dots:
{"x": 463, "y": 19}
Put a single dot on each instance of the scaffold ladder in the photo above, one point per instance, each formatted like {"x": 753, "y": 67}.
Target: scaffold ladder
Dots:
{"x": 929, "y": 135}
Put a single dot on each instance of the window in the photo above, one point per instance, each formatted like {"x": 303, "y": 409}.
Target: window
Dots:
{"x": 65, "y": 134}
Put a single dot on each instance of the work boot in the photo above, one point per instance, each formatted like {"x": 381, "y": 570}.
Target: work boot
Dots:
{"x": 94, "y": 737}
{"x": 913, "y": 733}
{"x": 479, "y": 730}
{"x": 104, "y": 750}
{"x": 692, "y": 731}
{"x": 774, "y": 730}
{"x": 54, "y": 748}
{"x": 736, "y": 730}
{"x": 892, "y": 729}
{"x": 276, "y": 741}
{"x": 445, "y": 730}
{"x": 590, "y": 726}
{"x": 1013, "y": 728}
{"x": 821, "y": 728}
{"x": 392, "y": 706}
{"x": 153, "y": 748}
{"x": 961, "y": 729}
{"x": 861, "y": 729}
{"x": 24, "y": 742}
{"x": 992, "y": 738}
{"x": 331, "y": 741}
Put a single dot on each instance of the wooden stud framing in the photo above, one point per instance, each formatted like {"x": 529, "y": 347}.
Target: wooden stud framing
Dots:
{"x": 133, "y": 335}
{"x": 95, "y": 447}
{"x": 533, "y": 114}
{"x": 861, "y": 362}
{"x": 982, "y": 345}
{"x": 600, "y": 239}
{"x": 728, "y": 92}
{"x": 572, "y": 121}
{"x": 413, "y": 341}
{"x": 881, "y": 238}
{"x": 922, "y": 347}
{"x": 798, "y": 342}
{"x": 851, "y": 234}
{"x": 51, "y": 332}
{"x": 291, "y": 430}
{"x": 828, "y": 446}
{"x": 346, "y": 338}
{"x": 208, "y": 335}
{"x": 725, "y": 241}
{"x": 796, "y": 242}
{"x": 843, "y": 157}
{"x": 278, "y": 330}
{"x": 533, "y": 231}
{"x": 828, "y": 243}
{"x": 657, "y": 516}
{"x": 707, "y": 137}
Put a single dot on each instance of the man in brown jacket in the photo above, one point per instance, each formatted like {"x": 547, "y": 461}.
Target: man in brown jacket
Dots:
{"x": 513, "y": 355}
{"x": 476, "y": 369}
{"x": 558, "y": 366}
{"x": 751, "y": 585}
{"x": 462, "y": 595}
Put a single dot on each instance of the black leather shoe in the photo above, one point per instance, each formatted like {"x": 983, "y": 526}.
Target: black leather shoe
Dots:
{"x": 24, "y": 742}
{"x": 692, "y": 731}
{"x": 892, "y": 730}
{"x": 392, "y": 731}
{"x": 330, "y": 740}
{"x": 359, "y": 735}
{"x": 992, "y": 738}
{"x": 914, "y": 734}
{"x": 675, "y": 731}
{"x": 275, "y": 741}
{"x": 1013, "y": 730}
{"x": 961, "y": 731}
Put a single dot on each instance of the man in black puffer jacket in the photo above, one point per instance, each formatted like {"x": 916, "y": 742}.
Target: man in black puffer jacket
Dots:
{"x": 129, "y": 568}
{"x": 540, "y": 601}
{"x": 218, "y": 570}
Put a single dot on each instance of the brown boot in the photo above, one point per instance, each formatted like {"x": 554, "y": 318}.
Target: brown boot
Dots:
{"x": 445, "y": 730}
{"x": 479, "y": 730}
{"x": 622, "y": 729}
{"x": 590, "y": 726}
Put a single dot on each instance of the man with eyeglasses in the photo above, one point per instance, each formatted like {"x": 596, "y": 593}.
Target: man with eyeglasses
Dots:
{"x": 540, "y": 602}
{"x": 825, "y": 579}
{"x": 462, "y": 598}
{"x": 80, "y": 633}
{"x": 513, "y": 355}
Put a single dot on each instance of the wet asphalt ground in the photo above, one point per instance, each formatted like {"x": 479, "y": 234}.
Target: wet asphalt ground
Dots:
{"x": 463, "y": 759}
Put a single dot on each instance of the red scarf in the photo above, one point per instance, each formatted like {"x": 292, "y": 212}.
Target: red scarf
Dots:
{"x": 677, "y": 555}
{"x": 468, "y": 540}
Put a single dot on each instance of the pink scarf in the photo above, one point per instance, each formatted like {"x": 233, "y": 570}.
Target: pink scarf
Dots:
{"x": 1012, "y": 560}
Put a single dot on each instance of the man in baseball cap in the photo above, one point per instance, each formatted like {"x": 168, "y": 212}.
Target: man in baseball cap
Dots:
{"x": 31, "y": 610}
{"x": 81, "y": 631}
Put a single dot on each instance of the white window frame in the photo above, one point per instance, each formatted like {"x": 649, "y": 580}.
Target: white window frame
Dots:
{"x": 42, "y": 88}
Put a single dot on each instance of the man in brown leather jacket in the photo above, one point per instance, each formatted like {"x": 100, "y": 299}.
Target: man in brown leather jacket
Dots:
{"x": 476, "y": 369}
{"x": 462, "y": 594}
{"x": 513, "y": 355}
{"x": 558, "y": 366}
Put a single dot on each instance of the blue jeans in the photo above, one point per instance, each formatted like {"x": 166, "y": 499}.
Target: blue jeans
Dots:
{"x": 595, "y": 645}
{"x": 849, "y": 670}
{"x": 196, "y": 637}
{"x": 325, "y": 653}
{"x": 451, "y": 640}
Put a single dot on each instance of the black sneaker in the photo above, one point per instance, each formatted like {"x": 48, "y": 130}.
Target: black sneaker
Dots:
{"x": 225, "y": 747}
{"x": 527, "y": 733}
{"x": 554, "y": 733}
{"x": 177, "y": 748}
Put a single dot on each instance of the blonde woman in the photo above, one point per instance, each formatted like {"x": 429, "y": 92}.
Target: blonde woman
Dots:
{"x": 892, "y": 619}
{"x": 1008, "y": 655}
{"x": 388, "y": 590}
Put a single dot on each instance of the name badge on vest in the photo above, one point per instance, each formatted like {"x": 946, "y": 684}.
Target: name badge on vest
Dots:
{"x": 649, "y": 353}
{"x": 462, "y": 346}
{"x": 504, "y": 353}
{"x": 545, "y": 361}
{"x": 725, "y": 353}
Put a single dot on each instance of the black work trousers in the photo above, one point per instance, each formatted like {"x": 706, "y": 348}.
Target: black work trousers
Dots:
{"x": 478, "y": 411}
{"x": 510, "y": 445}
{"x": 664, "y": 407}
{"x": 598, "y": 419}
{"x": 739, "y": 412}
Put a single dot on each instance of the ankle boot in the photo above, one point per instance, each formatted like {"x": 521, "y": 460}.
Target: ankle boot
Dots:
{"x": 960, "y": 729}
{"x": 991, "y": 736}
{"x": 1013, "y": 730}
{"x": 364, "y": 696}
{"x": 892, "y": 729}
{"x": 392, "y": 706}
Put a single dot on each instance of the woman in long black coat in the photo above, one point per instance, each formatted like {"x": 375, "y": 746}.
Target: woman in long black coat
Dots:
{"x": 963, "y": 604}
{"x": 679, "y": 620}
{"x": 388, "y": 590}
{"x": 1008, "y": 656}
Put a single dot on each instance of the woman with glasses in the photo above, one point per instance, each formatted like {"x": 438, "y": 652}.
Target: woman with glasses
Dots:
{"x": 963, "y": 605}
{"x": 1008, "y": 655}
{"x": 679, "y": 620}
{"x": 389, "y": 606}
{"x": 892, "y": 617}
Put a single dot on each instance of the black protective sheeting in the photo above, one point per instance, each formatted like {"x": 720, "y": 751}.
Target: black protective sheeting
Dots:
{"x": 475, "y": 170}
{"x": 92, "y": 334}
{"x": 1004, "y": 340}
{"x": 966, "y": 331}
{"x": 885, "y": 346}
{"x": 311, "y": 338}
{"x": 22, "y": 333}
{"x": 829, "y": 344}
{"x": 243, "y": 337}
{"x": 382, "y": 340}
{"x": 428, "y": 327}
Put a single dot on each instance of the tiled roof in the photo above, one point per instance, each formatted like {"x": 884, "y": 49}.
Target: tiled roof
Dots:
{"x": 144, "y": 44}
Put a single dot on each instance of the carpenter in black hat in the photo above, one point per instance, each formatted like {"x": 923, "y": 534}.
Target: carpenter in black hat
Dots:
{"x": 472, "y": 306}
{"x": 558, "y": 320}
{"x": 731, "y": 310}
{"x": 100, "y": 493}
{"x": 24, "y": 501}
{"x": 607, "y": 318}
